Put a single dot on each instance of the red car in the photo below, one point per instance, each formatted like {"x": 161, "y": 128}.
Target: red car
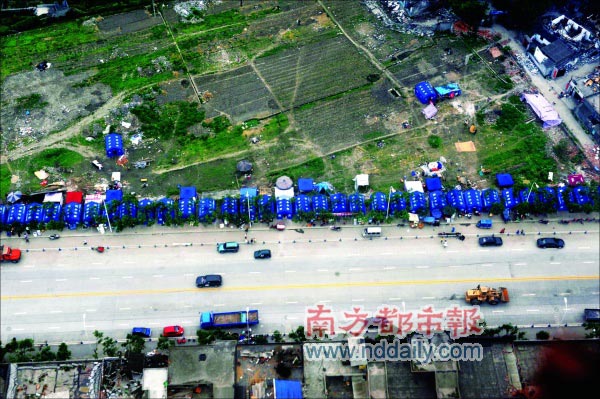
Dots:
{"x": 173, "y": 331}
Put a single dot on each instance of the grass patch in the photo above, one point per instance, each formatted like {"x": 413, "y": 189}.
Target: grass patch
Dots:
{"x": 55, "y": 158}
{"x": 32, "y": 101}
{"x": 5, "y": 177}
{"x": 275, "y": 126}
{"x": 314, "y": 167}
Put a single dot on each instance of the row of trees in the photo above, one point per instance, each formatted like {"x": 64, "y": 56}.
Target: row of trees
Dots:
{"x": 25, "y": 350}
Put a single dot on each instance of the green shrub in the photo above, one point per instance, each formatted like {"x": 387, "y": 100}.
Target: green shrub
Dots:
{"x": 434, "y": 141}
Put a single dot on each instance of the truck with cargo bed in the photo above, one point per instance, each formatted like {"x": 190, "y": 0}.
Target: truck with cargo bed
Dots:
{"x": 238, "y": 319}
{"x": 8, "y": 254}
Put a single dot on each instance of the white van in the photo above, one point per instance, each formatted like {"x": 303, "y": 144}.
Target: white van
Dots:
{"x": 372, "y": 232}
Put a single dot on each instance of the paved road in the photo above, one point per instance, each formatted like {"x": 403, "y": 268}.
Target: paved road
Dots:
{"x": 67, "y": 294}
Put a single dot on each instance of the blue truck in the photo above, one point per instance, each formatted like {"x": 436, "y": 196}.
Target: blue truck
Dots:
{"x": 238, "y": 319}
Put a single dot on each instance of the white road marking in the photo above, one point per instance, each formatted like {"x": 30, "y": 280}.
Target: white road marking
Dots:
{"x": 56, "y": 311}
{"x": 517, "y": 249}
{"x": 533, "y": 310}
{"x": 90, "y": 310}
{"x": 389, "y": 268}
{"x": 153, "y": 323}
{"x": 254, "y": 272}
{"x": 484, "y": 250}
{"x": 129, "y": 262}
{"x": 528, "y": 294}
{"x": 422, "y": 267}
{"x": 94, "y": 278}
{"x": 61, "y": 279}
{"x": 358, "y": 300}
{"x": 555, "y": 263}
{"x": 187, "y": 306}
{"x": 520, "y": 264}
{"x": 188, "y": 274}
{"x": 394, "y": 299}
{"x": 290, "y": 256}
{"x": 583, "y": 247}
{"x": 123, "y": 324}
{"x": 53, "y": 328}
{"x": 219, "y": 304}
{"x": 256, "y": 303}
{"x": 455, "y": 266}
{"x": 289, "y": 271}
{"x": 28, "y": 266}
{"x": 26, "y": 281}
{"x": 322, "y": 270}
{"x": 124, "y": 308}
{"x": 354, "y": 269}
{"x": 127, "y": 277}
{"x": 386, "y": 253}
{"x": 589, "y": 261}
{"x": 428, "y": 297}
{"x": 157, "y": 275}
{"x": 186, "y": 322}
{"x": 292, "y": 318}
{"x": 18, "y": 329}
{"x": 325, "y": 301}
{"x": 96, "y": 263}
{"x": 20, "y": 313}
{"x": 452, "y": 251}
{"x": 595, "y": 293}
{"x": 291, "y": 302}
{"x": 497, "y": 311}
{"x": 487, "y": 265}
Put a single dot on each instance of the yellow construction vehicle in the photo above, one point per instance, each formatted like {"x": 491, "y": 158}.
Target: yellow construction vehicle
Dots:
{"x": 490, "y": 295}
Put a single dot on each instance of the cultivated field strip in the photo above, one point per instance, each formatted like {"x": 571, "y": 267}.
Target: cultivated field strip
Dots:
{"x": 314, "y": 71}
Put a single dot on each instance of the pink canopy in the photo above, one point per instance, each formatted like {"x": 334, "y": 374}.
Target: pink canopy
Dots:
{"x": 430, "y": 111}
{"x": 575, "y": 179}
{"x": 543, "y": 109}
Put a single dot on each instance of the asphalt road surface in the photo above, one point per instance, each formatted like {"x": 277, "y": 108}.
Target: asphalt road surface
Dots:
{"x": 147, "y": 279}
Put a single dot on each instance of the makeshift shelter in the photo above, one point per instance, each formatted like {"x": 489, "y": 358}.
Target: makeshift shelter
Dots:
{"x": 437, "y": 200}
{"x": 429, "y": 111}
{"x": 74, "y": 196}
{"x": 339, "y": 204}
{"x": 284, "y": 183}
{"x": 14, "y": 196}
{"x": 90, "y": 211}
{"x": 527, "y": 195}
{"x": 412, "y": 186}
{"x": 128, "y": 209}
{"x": 575, "y": 179}
{"x": 473, "y": 202}
{"x": 324, "y": 188}
{"x": 287, "y": 389}
{"x": 425, "y": 92}
{"x": 284, "y": 194}
{"x": 305, "y": 185}
{"x": 72, "y": 214}
{"x": 449, "y": 90}
{"x": 433, "y": 183}
{"x": 266, "y": 207}
{"x": 113, "y": 144}
{"x": 455, "y": 199}
{"x": 508, "y": 198}
{"x": 113, "y": 195}
{"x": 229, "y": 207}
{"x": 361, "y": 181}
{"x": 3, "y": 213}
{"x": 397, "y": 203}
{"x": 165, "y": 207}
{"x": 581, "y": 195}
{"x": 543, "y": 109}
{"x": 33, "y": 212}
{"x": 489, "y": 197}
{"x": 187, "y": 193}
{"x": 247, "y": 208}
{"x": 435, "y": 168}
{"x": 146, "y": 208}
{"x": 302, "y": 204}
{"x": 504, "y": 180}
{"x": 51, "y": 211}
{"x": 320, "y": 204}
{"x": 379, "y": 202}
{"x": 417, "y": 201}
{"x": 16, "y": 214}
{"x": 249, "y": 192}
{"x": 243, "y": 166}
{"x": 206, "y": 207}
{"x": 561, "y": 203}
{"x": 284, "y": 208}
{"x": 356, "y": 203}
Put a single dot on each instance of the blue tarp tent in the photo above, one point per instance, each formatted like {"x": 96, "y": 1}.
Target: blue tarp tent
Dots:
{"x": 165, "y": 207}
{"x": 3, "y": 213}
{"x": 187, "y": 192}
{"x": 146, "y": 209}
{"x": 186, "y": 207}
{"x": 339, "y": 205}
{"x": 504, "y": 180}
{"x": 561, "y": 201}
{"x": 437, "y": 200}
{"x": 417, "y": 201}
{"x": 449, "y": 90}
{"x": 127, "y": 209}
{"x": 525, "y": 193}
{"x": 284, "y": 208}
{"x": 509, "y": 199}
{"x": 489, "y": 197}
{"x": 72, "y": 214}
{"x": 244, "y": 203}
{"x": 16, "y": 214}
{"x": 302, "y": 204}
{"x": 114, "y": 145}
{"x": 472, "y": 201}
{"x": 51, "y": 212}
{"x": 250, "y": 192}
{"x": 581, "y": 194}
{"x": 305, "y": 185}
{"x": 433, "y": 183}
{"x": 229, "y": 206}
{"x": 320, "y": 204}
{"x": 266, "y": 207}
{"x": 425, "y": 92}
{"x": 33, "y": 212}
{"x": 547, "y": 195}
{"x": 287, "y": 389}
{"x": 113, "y": 195}
{"x": 90, "y": 211}
{"x": 206, "y": 207}
{"x": 356, "y": 203}
{"x": 379, "y": 202}
{"x": 455, "y": 199}
{"x": 397, "y": 203}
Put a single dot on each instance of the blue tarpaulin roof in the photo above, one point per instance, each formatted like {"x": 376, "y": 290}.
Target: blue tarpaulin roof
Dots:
{"x": 489, "y": 197}
{"x": 320, "y": 203}
{"x": 90, "y": 211}
{"x": 248, "y": 192}
{"x": 188, "y": 192}
{"x": 113, "y": 144}
{"x": 338, "y": 203}
{"x": 417, "y": 201}
{"x": 3, "y": 213}
{"x": 244, "y": 202}
{"x": 397, "y": 202}
{"x": 51, "y": 212}
{"x": 187, "y": 207}
{"x": 72, "y": 214}
{"x": 206, "y": 206}
{"x": 425, "y": 92}
{"x": 287, "y": 389}
{"x": 265, "y": 204}
{"x": 455, "y": 198}
{"x": 509, "y": 199}
{"x": 504, "y": 180}
{"x": 113, "y": 195}
{"x": 581, "y": 194}
{"x": 433, "y": 183}
{"x": 284, "y": 208}
{"x": 165, "y": 205}
{"x": 145, "y": 202}
{"x": 229, "y": 206}
{"x": 437, "y": 200}
{"x": 525, "y": 193}
{"x": 303, "y": 204}
{"x": 356, "y": 203}
{"x": 472, "y": 200}
{"x": 16, "y": 214}
{"x": 449, "y": 90}
{"x": 305, "y": 185}
{"x": 33, "y": 212}
{"x": 379, "y": 202}
{"x": 127, "y": 209}
{"x": 561, "y": 203}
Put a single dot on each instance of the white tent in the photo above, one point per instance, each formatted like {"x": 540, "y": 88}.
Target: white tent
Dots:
{"x": 411, "y": 186}
{"x": 361, "y": 181}
{"x": 54, "y": 197}
{"x": 288, "y": 194}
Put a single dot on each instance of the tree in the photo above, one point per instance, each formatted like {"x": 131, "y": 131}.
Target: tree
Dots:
{"x": 45, "y": 355}
{"x": 20, "y": 351}
{"x": 298, "y": 335}
{"x": 497, "y": 208}
{"x": 109, "y": 347}
{"x": 593, "y": 328}
{"x": 164, "y": 343}
{"x": 63, "y": 353}
{"x": 277, "y": 336}
{"x": 470, "y": 11}
{"x": 542, "y": 335}
{"x": 134, "y": 344}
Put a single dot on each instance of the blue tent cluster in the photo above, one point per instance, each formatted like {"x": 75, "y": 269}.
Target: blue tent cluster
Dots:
{"x": 113, "y": 144}
{"x": 303, "y": 204}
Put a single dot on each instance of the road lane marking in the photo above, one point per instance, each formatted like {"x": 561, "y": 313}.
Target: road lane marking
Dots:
{"x": 219, "y": 304}
{"x": 56, "y": 311}
{"x": 564, "y": 293}
{"x": 127, "y": 277}
{"x": 53, "y": 328}
{"x": 325, "y": 301}
{"x": 451, "y": 252}
{"x": 386, "y": 253}
{"x": 20, "y": 313}
{"x": 588, "y": 261}
{"x": 521, "y": 264}
{"x": 96, "y": 263}
{"x": 94, "y": 278}
{"x": 90, "y": 310}
{"x": 583, "y": 247}
{"x": 487, "y": 265}
{"x": 289, "y": 271}
{"x": 497, "y": 311}
{"x": 389, "y": 268}
{"x": 354, "y": 269}
{"x": 532, "y": 310}
{"x": 129, "y": 262}
{"x": 517, "y": 249}
{"x": 422, "y": 267}
{"x": 528, "y": 294}
{"x": 291, "y": 302}
{"x": 153, "y": 323}
{"x": 555, "y": 263}
{"x": 123, "y": 324}
{"x": 292, "y": 318}
{"x": 287, "y": 287}
{"x": 26, "y": 281}
{"x": 157, "y": 275}
{"x": 28, "y": 266}
{"x": 187, "y": 306}
{"x": 60, "y": 279}
{"x": 428, "y": 297}
{"x": 18, "y": 329}
{"x": 256, "y": 303}
{"x": 322, "y": 270}
{"x": 188, "y": 274}
{"x": 358, "y": 300}
{"x": 186, "y": 322}
{"x": 394, "y": 299}
{"x": 124, "y": 308}
{"x": 254, "y": 272}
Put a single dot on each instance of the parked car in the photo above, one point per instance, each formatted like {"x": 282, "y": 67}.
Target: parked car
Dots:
{"x": 173, "y": 331}
{"x": 141, "y": 332}
{"x": 490, "y": 241}
{"x": 210, "y": 280}
{"x": 231, "y": 246}
{"x": 550, "y": 242}
{"x": 262, "y": 254}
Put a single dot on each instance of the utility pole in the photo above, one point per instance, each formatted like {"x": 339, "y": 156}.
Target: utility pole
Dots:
{"x": 153, "y": 9}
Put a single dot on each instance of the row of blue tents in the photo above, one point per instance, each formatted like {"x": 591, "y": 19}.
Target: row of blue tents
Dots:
{"x": 257, "y": 208}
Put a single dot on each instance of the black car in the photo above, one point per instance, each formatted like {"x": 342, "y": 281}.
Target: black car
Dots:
{"x": 210, "y": 280}
{"x": 490, "y": 241}
{"x": 262, "y": 254}
{"x": 550, "y": 242}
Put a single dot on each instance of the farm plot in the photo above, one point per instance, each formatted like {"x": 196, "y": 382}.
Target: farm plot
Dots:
{"x": 128, "y": 22}
{"x": 239, "y": 93}
{"x": 313, "y": 71}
